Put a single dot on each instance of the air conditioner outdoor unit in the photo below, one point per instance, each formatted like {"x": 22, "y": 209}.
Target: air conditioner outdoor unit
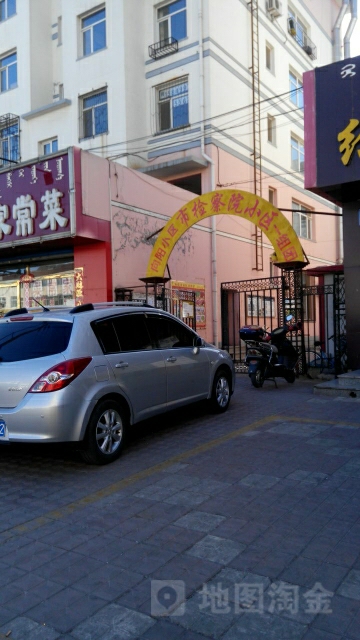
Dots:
{"x": 274, "y": 8}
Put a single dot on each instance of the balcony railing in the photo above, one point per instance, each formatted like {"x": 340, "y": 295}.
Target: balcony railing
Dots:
{"x": 302, "y": 38}
{"x": 163, "y": 48}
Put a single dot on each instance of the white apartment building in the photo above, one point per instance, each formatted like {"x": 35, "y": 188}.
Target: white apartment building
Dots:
{"x": 204, "y": 94}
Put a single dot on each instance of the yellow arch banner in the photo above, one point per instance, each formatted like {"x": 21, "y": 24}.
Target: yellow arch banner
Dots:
{"x": 270, "y": 220}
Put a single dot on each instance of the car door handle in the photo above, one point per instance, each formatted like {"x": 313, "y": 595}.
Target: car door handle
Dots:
{"x": 171, "y": 359}
{"x": 121, "y": 365}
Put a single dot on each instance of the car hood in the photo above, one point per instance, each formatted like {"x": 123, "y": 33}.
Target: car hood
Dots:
{"x": 16, "y": 378}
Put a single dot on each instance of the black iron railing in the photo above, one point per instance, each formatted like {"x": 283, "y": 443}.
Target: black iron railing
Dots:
{"x": 163, "y": 48}
{"x": 302, "y": 38}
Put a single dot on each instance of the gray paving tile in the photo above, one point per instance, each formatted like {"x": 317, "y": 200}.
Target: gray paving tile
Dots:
{"x": 216, "y": 549}
{"x": 300, "y": 571}
{"x": 342, "y": 616}
{"x": 113, "y": 621}
{"x": 259, "y": 480}
{"x": 200, "y": 616}
{"x": 199, "y": 521}
{"x": 264, "y": 627}
{"x": 187, "y": 498}
{"x": 350, "y": 587}
{"x": 23, "y": 628}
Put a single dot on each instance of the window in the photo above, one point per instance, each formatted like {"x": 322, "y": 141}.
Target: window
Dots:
{"x": 49, "y": 146}
{"x": 269, "y": 58}
{"x": 94, "y": 114}
{"x": 9, "y": 144}
{"x": 302, "y": 220}
{"x": 172, "y": 20}
{"x": 272, "y": 196}
{"x": 271, "y": 129}
{"x": 169, "y": 334}
{"x": 123, "y": 333}
{"x": 59, "y": 30}
{"x": 296, "y": 90}
{"x": 7, "y": 9}
{"x": 173, "y": 107}
{"x": 297, "y": 28}
{"x": 30, "y": 340}
{"x": 93, "y": 29}
{"x": 297, "y": 154}
{"x": 8, "y": 72}
{"x": 299, "y": 32}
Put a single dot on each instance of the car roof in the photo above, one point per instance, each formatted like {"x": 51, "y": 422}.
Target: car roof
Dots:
{"x": 90, "y": 310}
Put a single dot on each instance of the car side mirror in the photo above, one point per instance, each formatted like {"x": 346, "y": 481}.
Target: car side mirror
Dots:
{"x": 198, "y": 342}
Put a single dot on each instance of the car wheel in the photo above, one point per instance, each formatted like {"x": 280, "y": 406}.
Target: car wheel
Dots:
{"x": 105, "y": 433}
{"x": 257, "y": 378}
{"x": 220, "y": 397}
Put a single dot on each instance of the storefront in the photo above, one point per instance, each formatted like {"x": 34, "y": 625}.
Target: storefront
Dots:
{"x": 45, "y": 237}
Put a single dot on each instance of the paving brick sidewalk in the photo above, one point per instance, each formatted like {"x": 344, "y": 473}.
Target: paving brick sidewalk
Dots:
{"x": 245, "y": 525}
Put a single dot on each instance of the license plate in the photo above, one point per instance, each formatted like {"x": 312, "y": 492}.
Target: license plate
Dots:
{"x": 4, "y": 434}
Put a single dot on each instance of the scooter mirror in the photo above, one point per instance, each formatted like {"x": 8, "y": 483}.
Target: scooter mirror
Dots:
{"x": 288, "y": 318}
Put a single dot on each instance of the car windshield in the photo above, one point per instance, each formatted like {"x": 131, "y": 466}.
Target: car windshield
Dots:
{"x": 27, "y": 340}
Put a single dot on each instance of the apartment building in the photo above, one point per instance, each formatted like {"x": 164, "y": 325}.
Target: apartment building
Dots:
{"x": 200, "y": 94}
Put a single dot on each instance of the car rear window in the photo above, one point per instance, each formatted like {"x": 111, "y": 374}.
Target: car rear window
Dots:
{"x": 29, "y": 340}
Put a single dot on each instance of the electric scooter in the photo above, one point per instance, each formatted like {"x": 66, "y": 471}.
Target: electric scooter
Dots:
{"x": 270, "y": 355}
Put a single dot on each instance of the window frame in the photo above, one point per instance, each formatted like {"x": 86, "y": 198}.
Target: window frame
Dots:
{"x": 301, "y": 29}
{"x": 271, "y": 129}
{"x": 7, "y": 141}
{"x": 167, "y": 19}
{"x": 4, "y": 69}
{"x": 168, "y": 86}
{"x": 269, "y": 57}
{"x": 272, "y": 196}
{"x": 302, "y": 217}
{"x": 180, "y": 331}
{"x": 297, "y": 145}
{"x": 5, "y": 4}
{"x": 92, "y": 108}
{"x": 296, "y": 89}
{"x": 90, "y": 29}
{"x": 49, "y": 141}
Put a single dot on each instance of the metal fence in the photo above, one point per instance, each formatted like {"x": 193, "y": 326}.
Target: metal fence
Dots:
{"x": 181, "y": 304}
{"x": 266, "y": 302}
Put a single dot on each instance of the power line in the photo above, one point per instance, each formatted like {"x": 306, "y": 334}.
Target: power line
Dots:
{"x": 198, "y": 122}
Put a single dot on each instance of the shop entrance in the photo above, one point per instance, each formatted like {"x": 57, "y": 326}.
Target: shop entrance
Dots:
{"x": 51, "y": 282}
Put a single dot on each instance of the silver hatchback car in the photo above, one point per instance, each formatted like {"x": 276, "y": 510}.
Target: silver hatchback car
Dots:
{"x": 85, "y": 374}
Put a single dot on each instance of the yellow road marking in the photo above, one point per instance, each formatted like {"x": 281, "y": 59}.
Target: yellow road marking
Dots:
{"x": 58, "y": 514}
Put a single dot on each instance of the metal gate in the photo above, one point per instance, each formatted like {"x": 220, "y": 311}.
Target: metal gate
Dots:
{"x": 320, "y": 310}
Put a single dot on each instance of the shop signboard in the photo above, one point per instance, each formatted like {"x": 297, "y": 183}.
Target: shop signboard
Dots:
{"x": 332, "y": 126}
{"x": 35, "y": 202}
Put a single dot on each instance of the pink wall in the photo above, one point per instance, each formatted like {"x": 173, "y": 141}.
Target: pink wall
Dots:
{"x": 136, "y": 206}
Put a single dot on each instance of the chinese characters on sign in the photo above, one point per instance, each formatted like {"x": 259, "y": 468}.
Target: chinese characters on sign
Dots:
{"x": 349, "y": 140}
{"x": 34, "y": 201}
{"x": 247, "y": 205}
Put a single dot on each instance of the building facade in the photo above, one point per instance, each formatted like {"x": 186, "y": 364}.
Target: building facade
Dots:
{"x": 200, "y": 94}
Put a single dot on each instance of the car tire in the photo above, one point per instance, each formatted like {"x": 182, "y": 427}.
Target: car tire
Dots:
{"x": 105, "y": 433}
{"x": 221, "y": 392}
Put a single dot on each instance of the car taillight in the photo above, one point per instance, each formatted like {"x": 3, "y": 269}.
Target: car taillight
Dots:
{"x": 60, "y": 375}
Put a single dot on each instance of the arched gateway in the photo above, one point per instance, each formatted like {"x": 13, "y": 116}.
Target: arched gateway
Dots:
{"x": 288, "y": 250}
